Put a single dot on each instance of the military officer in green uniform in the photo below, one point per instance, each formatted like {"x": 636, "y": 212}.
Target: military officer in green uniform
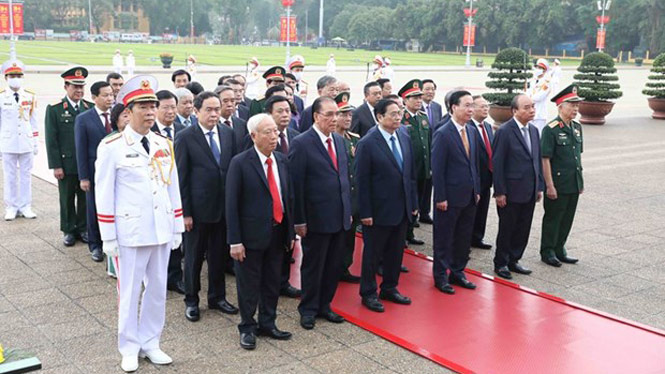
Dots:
{"x": 350, "y": 141}
{"x": 61, "y": 153}
{"x": 418, "y": 128}
{"x": 561, "y": 147}
{"x": 273, "y": 76}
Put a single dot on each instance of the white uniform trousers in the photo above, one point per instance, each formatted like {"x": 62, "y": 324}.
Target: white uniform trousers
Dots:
{"x": 141, "y": 330}
{"x": 17, "y": 179}
{"x": 540, "y": 124}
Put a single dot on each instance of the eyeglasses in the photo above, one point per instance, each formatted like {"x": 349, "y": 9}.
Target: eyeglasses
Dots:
{"x": 396, "y": 114}
{"x": 330, "y": 114}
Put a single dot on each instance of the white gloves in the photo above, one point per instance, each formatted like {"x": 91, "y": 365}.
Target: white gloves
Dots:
{"x": 177, "y": 240}
{"x": 35, "y": 149}
{"x": 110, "y": 248}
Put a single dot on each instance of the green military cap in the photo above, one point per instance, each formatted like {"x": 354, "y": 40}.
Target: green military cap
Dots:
{"x": 342, "y": 101}
{"x": 568, "y": 94}
{"x": 275, "y": 73}
{"x": 411, "y": 88}
{"x": 75, "y": 75}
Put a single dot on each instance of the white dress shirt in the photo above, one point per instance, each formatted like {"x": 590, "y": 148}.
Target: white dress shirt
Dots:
{"x": 101, "y": 117}
{"x": 324, "y": 139}
{"x": 386, "y": 136}
{"x": 161, "y": 127}
{"x": 275, "y": 171}
{"x": 215, "y": 136}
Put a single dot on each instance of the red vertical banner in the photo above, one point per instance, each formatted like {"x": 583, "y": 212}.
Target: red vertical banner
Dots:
{"x": 4, "y": 18}
{"x": 600, "y": 39}
{"x": 469, "y": 37}
{"x": 288, "y": 24}
{"x": 17, "y": 10}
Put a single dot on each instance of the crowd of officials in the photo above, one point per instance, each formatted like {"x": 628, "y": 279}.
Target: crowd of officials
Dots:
{"x": 160, "y": 181}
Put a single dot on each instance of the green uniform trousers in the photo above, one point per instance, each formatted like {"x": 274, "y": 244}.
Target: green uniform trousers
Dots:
{"x": 72, "y": 205}
{"x": 557, "y": 222}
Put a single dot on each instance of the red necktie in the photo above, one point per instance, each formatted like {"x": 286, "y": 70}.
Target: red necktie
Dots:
{"x": 488, "y": 147}
{"x": 277, "y": 213}
{"x": 332, "y": 153}
{"x": 107, "y": 124}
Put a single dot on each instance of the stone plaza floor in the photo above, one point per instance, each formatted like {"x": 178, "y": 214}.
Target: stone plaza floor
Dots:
{"x": 58, "y": 304}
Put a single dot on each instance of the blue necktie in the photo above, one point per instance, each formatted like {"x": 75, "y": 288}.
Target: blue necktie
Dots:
{"x": 398, "y": 157}
{"x": 213, "y": 147}
{"x": 168, "y": 132}
{"x": 429, "y": 113}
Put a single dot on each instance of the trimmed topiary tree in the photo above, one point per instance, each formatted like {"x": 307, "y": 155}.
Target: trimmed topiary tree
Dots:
{"x": 596, "y": 74}
{"x": 511, "y": 72}
{"x": 656, "y": 85}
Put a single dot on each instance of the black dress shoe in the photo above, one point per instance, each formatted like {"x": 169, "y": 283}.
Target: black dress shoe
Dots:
{"x": 426, "y": 219}
{"x": 395, "y": 297}
{"x": 445, "y": 288}
{"x": 83, "y": 237}
{"x": 404, "y": 269}
{"x": 178, "y": 287}
{"x": 69, "y": 240}
{"x": 482, "y": 245}
{"x": 97, "y": 255}
{"x": 247, "y": 340}
{"x": 503, "y": 272}
{"x": 552, "y": 261}
{"x": 567, "y": 259}
{"x": 463, "y": 282}
{"x": 331, "y": 316}
{"x": 416, "y": 224}
{"x": 517, "y": 268}
{"x": 192, "y": 313}
{"x": 274, "y": 333}
{"x": 291, "y": 292}
{"x": 373, "y": 304}
{"x": 224, "y": 307}
{"x": 415, "y": 241}
{"x": 307, "y": 322}
{"x": 349, "y": 278}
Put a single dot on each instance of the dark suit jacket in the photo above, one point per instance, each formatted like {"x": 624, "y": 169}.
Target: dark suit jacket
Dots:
{"x": 243, "y": 112}
{"x": 454, "y": 175}
{"x": 177, "y": 128}
{"x": 299, "y": 103}
{"x": 442, "y": 122}
{"x": 247, "y": 142}
{"x": 483, "y": 157}
{"x": 195, "y": 121}
{"x": 385, "y": 193}
{"x": 322, "y": 194}
{"x": 362, "y": 120}
{"x": 437, "y": 112}
{"x": 306, "y": 119}
{"x": 239, "y": 129}
{"x": 202, "y": 179}
{"x": 517, "y": 172}
{"x": 249, "y": 203}
{"x": 88, "y": 133}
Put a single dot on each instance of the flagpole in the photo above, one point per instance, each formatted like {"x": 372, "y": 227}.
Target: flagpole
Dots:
{"x": 12, "y": 43}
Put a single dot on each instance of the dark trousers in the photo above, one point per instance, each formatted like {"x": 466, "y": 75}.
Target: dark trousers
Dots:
{"x": 94, "y": 236}
{"x": 175, "y": 267}
{"x": 425, "y": 196}
{"x": 482, "y": 209}
{"x": 452, "y": 241}
{"x": 285, "y": 273}
{"x": 386, "y": 242}
{"x": 514, "y": 228}
{"x": 322, "y": 256}
{"x": 557, "y": 222}
{"x": 209, "y": 240}
{"x": 257, "y": 279}
{"x": 350, "y": 244}
{"x": 72, "y": 205}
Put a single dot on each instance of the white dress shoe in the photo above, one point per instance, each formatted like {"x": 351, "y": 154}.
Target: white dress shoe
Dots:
{"x": 27, "y": 213}
{"x": 10, "y": 215}
{"x": 130, "y": 363}
{"x": 156, "y": 356}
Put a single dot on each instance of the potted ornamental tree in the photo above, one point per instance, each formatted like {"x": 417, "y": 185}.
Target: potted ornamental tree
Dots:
{"x": 166, "y": 59}
{"x": 509, "y": 77}
{"x": 596, "y": 82}
{"x": 656, "y": 88}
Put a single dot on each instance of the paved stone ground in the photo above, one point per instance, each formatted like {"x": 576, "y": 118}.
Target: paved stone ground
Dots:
{"x": 57, "y": 303}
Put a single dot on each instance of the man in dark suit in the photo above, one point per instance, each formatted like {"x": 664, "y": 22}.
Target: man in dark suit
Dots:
{"x": 326, "y": 87}
{"x": 180, "y": 78}
{"x": 166, "y": 126}
{"x": 363, "y": 117}
{"x": 185, "y": 115}
{"x": 446, "y": 117}
{"x": 518, "y": 185}
{"x": 485, "y": 141}
{"x": 89, "y": 129}
{"x": 279, "y": 109}
{"x": 318, "y": 166}
{"x": 386, "y": 87}
{"x": 242, "y": 110}
{"x": 203, "y": 154}
{"x": 431, "y": 108}
{"x": 259, "y": 210}
{"x": 238, "y": 125}
{"x": 387, "y": 202}
{"x": 291, "y": 81}
{"x": 456, "y": 193}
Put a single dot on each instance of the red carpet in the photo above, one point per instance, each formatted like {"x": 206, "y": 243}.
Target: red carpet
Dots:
{"x": 502, "y": 328}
